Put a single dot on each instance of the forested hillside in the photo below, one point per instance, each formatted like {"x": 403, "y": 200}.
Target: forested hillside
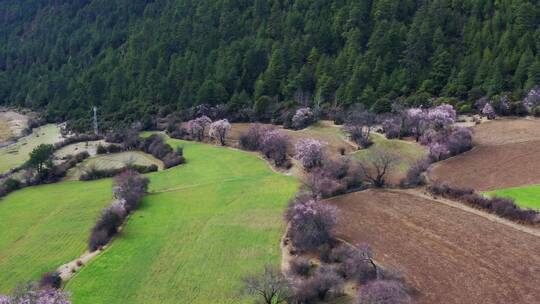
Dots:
{"x": 134, "y": 58}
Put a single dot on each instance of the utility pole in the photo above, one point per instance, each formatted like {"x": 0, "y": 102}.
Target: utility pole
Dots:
{"x": 95, "y": 122}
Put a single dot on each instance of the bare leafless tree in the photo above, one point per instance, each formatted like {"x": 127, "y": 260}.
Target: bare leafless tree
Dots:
{"x": 270, "y": 286}
{"x": 378, "y": 164}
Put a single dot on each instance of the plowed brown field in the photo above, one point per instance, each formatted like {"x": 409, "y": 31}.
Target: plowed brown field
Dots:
{"x": 449, "y": 254}
{"x": 507, "y": 154}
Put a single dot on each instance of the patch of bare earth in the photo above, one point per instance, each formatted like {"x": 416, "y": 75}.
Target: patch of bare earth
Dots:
{"x": 12, "y": 124}
{"x": 507, "y": 154}
{"x": 448, "y": 254}
{"x": 506, "y": 131}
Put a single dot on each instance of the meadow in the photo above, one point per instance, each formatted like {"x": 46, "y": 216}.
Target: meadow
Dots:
{"x": 526, "y": 196}
{"x": 113, "y": 161}
{"x": 17, "y": 153}
{"x": 46, "y": 226}
{"x": 204, "y": 225}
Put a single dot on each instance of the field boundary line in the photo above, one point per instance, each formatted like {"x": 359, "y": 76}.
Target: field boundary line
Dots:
{"x": 468, "y": 209}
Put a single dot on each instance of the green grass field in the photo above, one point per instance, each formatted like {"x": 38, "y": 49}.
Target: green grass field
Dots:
{"x": 409, "y": 152}
{"x": 45, "y": 226}
{"x": 113, "y": 161}
{"x": 205, "y": 225}
{"x": 17, "y": 154}
{"x": 527, "y": 196}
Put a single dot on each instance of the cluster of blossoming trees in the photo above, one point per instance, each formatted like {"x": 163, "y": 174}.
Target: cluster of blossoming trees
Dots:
{"x": 218, "y": 129}
{"x": 502, "y": 105}
{"x": 432, "y": 127}
{"x": 35, "y": 295}
{"x": 310, "y": 231}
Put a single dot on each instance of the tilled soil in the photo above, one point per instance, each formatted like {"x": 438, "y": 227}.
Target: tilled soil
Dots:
{"x": 488, "y": 168}
{"x": 449, "y": 255}
{"x": 505, "y": 131}
{"x": 506, "y": 154}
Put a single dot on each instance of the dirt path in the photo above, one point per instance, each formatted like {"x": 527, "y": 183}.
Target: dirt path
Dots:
{"x": 449, "y": 253}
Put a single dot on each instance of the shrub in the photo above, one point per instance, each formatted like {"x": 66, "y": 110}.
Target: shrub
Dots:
{"x": 105, "y": 228}
{"x": 179, "y": 133}
{"x": 101, "y": 149}
{"x": 322, "y": 185}
{"x": 336, "y": 176}
{"x": 12, "y": 184}
{"x": 414, "y": 175}
{"x": 311, "y": 223}
{"x": 392, "y": 127}
{"x": 274, "y": 145}
{"x": 251, "y": 140}
{"x": 131, "y": 187}
{"x": 338, "y": 254}
{"x": 460, "y": 140}
{"x": 156, "y": 146}
{"x": 488, "y": 111}
{"x": 51, "y": 280}
{"x": 301, "y": 266}
{"x": 503, "y": 207}
{"x": 532, "y": 99}
{"x": 384, "y": 292}
{"x": 310, "y": 152}
{"x": 359, "y": 126}
{"x": 319, "y": 287}
{"x": 172, "y": 159}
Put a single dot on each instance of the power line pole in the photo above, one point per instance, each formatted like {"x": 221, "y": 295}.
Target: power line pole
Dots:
{"x": 95, "y": 121}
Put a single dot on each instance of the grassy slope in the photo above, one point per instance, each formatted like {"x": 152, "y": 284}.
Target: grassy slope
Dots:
{"x": 409, "y": 152}
{"x": 207, "y": 224}
{"x": 527, "y": 196}
{"x": 45, "y": 226}
{"x": 16, "y": 154}
{"x": 113, "y": 161}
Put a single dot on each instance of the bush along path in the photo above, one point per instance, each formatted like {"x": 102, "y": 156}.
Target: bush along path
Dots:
{"x": 129, "y": 187}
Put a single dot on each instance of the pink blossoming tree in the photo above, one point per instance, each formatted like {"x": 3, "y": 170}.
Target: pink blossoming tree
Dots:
{"x": 302, "y": 118}
{"x": 197, "y": 126}
{"x": 219, "y": 130}
{"x": 310, "y": 152}
{"x": 311, "y": 222}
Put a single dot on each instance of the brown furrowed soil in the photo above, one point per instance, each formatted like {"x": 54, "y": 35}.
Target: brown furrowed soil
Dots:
{"x": 505, "y": 131}
{"x": 448, "y": 254}
{"x": 487, "y": 168}
{"x": 507, "y": 154}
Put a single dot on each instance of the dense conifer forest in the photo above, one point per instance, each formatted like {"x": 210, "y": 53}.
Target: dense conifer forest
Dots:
{"x": 137, "y": 58}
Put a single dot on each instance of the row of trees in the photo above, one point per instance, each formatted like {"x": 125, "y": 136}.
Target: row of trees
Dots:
{"x": 153, "y": 144}
{"x": 128, "y": 189}
{"x": 503, "y": 207}
{"x": 311, "y": 224}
